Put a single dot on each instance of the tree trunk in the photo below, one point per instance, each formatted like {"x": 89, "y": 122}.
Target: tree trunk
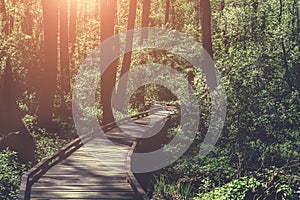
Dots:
{"x": 167, "y": 14}
{"x": 145, "y": 17}
{"x": 97, "y": 9}
{"x": 72, "y": 26}
{"x": 73, "y": 20}
{"x": 108, "y": 79}
{"x": 129, "y": 42}
{"x": 4, "y": 17}
{"x": 254, "y": 20}
{"x": 298, "y": 22}
{"x": 10, "y": 119}
{"x": 11, "y": 18}
{"x": 173, "y": 13}
{"x": 205, "y": 10}
{"x": 145, "y": 23}
{"x": 27, "y": 22}
{"x": 85, "y": 11}
{"x": 284, "y": 53}
{"x": 48, "y": 80}
{"x": 64, "y": 59}
{"x": 197, "y": 14}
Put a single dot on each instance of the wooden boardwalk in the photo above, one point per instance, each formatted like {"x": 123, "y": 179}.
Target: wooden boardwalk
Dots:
{"x": 83, "y": 176}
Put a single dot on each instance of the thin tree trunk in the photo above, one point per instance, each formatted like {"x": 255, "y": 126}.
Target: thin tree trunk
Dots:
{"x": 10, "y": 119}
{"x": 12, "y": 18}
{"x": 129, "y": 38}
{"x": 226, "y": 42}
{"x": 205, "y": 10}
{"x": 173, "y": 13}
{"x": 244, "y": 37}
{"x": 254, "y": 20}
{"x": 48, "y": 82}
{"x": 145, "y": 17}
{"x": 145, "y": 23}
{"x": 297, "y": 16}
{"x": 108, "y": 79}
{"x": 167, "y": 14}
{"x": 4, "y": 17}
{"x": 64, "y": 58}
{"x": 72, "y": 31}
{"x": 97, "y": 10}
{"x": 85, "y": 11}
{"x": 284, "y": 53}
{"x": 72, "y": 25}
{"x": 129, "y": 41}
{"x": 197, "y": 21}
{"x": 27, "y": 22}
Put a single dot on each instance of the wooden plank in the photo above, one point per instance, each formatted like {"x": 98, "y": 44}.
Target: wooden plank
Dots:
{"x": 83, "y": 189}
{"x": 108, "y": 186}
{"x": 83, "y": 194}
{"x": 87, "y": 176}
{"x": 65, "y": 171}
{"x": 79, "y": 184}
{"x": 92, "y": 159}
{"x": 104, "y": 168}
{"x": 45, "y": 183}
{"x": 80, "y": 179}
{"x": 86, "y": 198}
{"x": 74, "y": 198}
{"x": 88, "y": 162}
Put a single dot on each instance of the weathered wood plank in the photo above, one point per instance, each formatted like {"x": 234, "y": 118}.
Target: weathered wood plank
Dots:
{"x": 83, "y": 177}
{"x": 70, "y": 171}
{"x": 81, "y": 181}
{"x": 83, "y": 194}
{"x": 85, "y": 198}
{"x": 79, "y": 184}
{"x": 108, "y": 187}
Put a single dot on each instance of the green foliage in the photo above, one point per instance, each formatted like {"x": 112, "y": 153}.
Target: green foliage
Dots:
{"x": 167, "y": 189}
{"x": 47, "y": 144}
{"x": 264, "y": 186}
{"x": 10, "y": 174}
{"x": 164, "y": 188}
{"x": 235, "y": 189}
{"x": 185, "y": 191}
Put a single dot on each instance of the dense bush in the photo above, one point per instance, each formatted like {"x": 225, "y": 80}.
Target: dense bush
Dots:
{"x": 235, "y": 189}
{"x": 10, "y": 174}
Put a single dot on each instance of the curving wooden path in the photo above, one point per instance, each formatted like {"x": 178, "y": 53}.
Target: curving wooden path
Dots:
{"x": 82, "y": 176}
